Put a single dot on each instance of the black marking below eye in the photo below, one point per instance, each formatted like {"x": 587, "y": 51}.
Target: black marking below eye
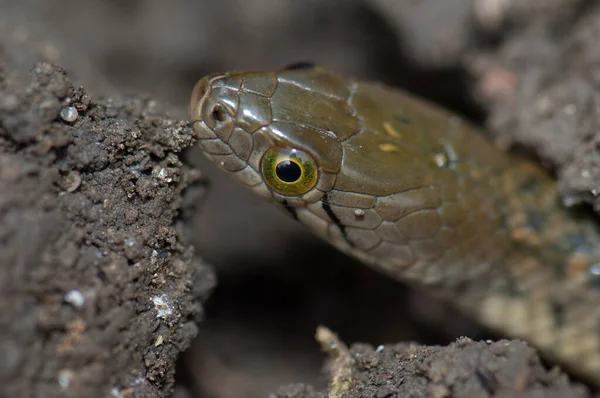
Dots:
{"x": 288, "y": 171}
{"x": 327, "y": 207}
{"x": 300, "y": 66}
{"x": 290, "y": 210}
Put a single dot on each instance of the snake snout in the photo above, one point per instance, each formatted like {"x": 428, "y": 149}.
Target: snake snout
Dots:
{"x": 196, "y": 100}
{"x": 212, "y": 110}
{"x": 214, "y": 106}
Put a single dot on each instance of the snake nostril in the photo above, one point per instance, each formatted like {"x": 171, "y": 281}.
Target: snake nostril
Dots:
{"x": 219, "y": 114}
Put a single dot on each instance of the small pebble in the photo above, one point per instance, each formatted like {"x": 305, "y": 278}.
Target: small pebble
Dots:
{"x": 69, "y": 114}
{"x": 73, "y": 181}
{"x": 75, "y": 298}
{"x": 163, "y": 306}
{"x": 64, "y": 377}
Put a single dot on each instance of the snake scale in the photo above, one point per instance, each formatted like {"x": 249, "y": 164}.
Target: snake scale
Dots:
{"x": 417, "y": 193}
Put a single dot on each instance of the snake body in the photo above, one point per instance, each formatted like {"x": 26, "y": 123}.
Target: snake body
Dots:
{"x": 417, "y": 193}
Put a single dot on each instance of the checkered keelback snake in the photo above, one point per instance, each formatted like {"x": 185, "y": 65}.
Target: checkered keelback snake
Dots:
{"x": 416, "y": 193}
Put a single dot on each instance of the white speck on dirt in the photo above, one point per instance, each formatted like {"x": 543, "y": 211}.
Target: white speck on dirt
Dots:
{"x": 75, "y": 298}
{"x": 64, "y": 378}
{"x": 164, "y": 306}
{"x": 69, "y": 114}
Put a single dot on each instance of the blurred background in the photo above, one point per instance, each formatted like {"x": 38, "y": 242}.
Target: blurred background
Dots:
{"x": 276, "y": 282}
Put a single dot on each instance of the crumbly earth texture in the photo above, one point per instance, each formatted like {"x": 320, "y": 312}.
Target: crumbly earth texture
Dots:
{"x": 528, "y": 70}
{"x": 98, "y": 295}
{"x": 463, "y": 369}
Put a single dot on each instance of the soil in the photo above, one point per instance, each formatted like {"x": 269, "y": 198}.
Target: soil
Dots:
{"x": 109, "y": 215}
{"x": 462, "y": 369}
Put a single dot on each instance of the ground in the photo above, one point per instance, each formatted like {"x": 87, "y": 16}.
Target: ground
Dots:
{"x": 109, "y": 215}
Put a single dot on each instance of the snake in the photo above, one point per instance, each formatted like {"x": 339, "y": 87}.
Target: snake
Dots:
{"x": 418, "y": 193}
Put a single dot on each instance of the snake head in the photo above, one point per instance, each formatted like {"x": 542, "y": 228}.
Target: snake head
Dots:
{"x": 372, "y": 170}
{"x": 279, "y": 133}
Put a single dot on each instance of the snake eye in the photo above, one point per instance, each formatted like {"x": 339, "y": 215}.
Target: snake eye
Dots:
{"x": 289, "y": 171}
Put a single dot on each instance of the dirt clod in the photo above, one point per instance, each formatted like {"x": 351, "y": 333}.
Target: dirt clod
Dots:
{"x": 92, "y": 274}
{"x": 463, "y": 369}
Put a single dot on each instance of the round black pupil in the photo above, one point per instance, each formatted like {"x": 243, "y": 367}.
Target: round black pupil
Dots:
{"x": 288, "y": 171}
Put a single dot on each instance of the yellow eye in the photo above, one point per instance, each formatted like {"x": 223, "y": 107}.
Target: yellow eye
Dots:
{"x": 289, "y": 171}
